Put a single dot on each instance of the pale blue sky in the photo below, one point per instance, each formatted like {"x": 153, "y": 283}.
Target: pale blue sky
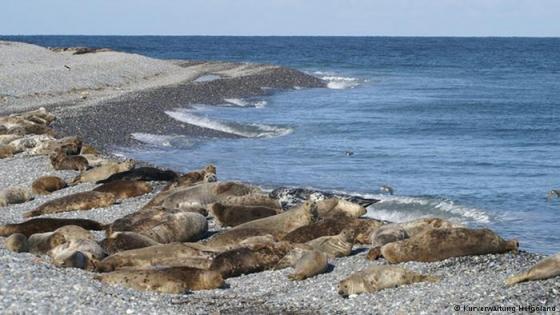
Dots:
{"x": 282, "y": 17}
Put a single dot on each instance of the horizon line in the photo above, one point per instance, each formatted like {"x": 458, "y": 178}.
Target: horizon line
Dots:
{"x": 357, "y": 36}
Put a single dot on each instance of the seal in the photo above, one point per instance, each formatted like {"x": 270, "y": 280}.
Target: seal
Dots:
{"x": 47, "y": 184}
{"x": 176, "y": 280}
{"x": 121, "y": 241}
{"x": 88, "y": 149}
{"x": 335, "y": 207}
{"x": 362, "y": 227}
{"x": 15, "y": 195}
{"x": 399, "y": 231}
{"x": 249, "y": 259}
{"x": 17, "y": 242}
{"x": 45, "y": 117}
{"x": 95, "y": 160}
{"x": 281, "y": 224}
{"x": 544, "y": 269}
{"x": 66, "y": 255}
{"x": 309, "y": 265}
{"x": 235, "y": 215}
{"x": 335, "y": 246}
{"x": 78, "y": 201}
{"x": 233, "y": 237}
{"x": 7, "y": 151}
{"x": 142, "y": 173}
{"x": 164, "y": 255}
{"x": 439, "y": 244}
{"x": 29, "y": 142}
{"x": 124, "y": 189}
{"x": 164, "y": 226}
{"x": 61, "y": 161}
{"x": 291, "y": 197}
{"x": 102, "y": 172}
{"x": 42, "y": 225}
{"x": 41, "y": 243}
{"x": 67, "y": 145}
{"x": 377, "y": 278}
{"x": 9, "y": 138}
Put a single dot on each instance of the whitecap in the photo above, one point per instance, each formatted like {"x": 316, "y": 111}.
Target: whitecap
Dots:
{"x": 245, "y": 103}
{"x": 162, "y": 140}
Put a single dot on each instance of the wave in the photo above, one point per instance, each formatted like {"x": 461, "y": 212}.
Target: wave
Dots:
{"x": 338, "y": 82}
{"x": 245, "y": 103}
{"x": 247, "y": 131}
{"x": 161, "y": 140}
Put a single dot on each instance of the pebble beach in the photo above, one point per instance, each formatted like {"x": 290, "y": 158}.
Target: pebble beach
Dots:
{"x": 94, "y": 98}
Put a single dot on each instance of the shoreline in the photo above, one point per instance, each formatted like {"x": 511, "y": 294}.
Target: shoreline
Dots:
{"x": 473, "y": 280}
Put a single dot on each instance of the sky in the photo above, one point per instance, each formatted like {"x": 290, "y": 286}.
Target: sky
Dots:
{"x": 282, "y": 17}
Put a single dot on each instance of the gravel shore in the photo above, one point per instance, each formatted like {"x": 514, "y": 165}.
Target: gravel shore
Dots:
{"x": 30, "y": 284}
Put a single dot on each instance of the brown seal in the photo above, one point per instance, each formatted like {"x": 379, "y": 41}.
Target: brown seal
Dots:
{"x": 124, "y": 189}
{"x": 42, "y": 225}
{"x": 163, "y": 226}
{"x": 335, "y": 246}
{"x": 177, "y": 280}
{"x": 202, "y": 195}
{"x": 236, "y": 215}
{"x": 377, "y": 278}
{"x": 281, "y": 224}
{"x": 7, "y": 151}
{"x": 165, "y": 255}
{"x": 250, "y": 259}
{"x": 66, "y": 255}
{"x": 309, "y": 265}
{"x": 61, "y": 161}
{"x": 78, "y": 201}
{"x": 121, "y": 241}
{"x": 544, "y": 269}
{"x": 362, "y": 227}
{"x": 102, "y": 172}
{"x": 47, "y": 184}
{"x": 17, "y": 242}
{"x": 15, "y": 195}
{"x": 440, "y": 244}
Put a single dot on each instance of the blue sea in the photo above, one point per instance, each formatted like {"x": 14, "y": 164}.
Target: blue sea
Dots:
{"x": 462, "y": 128}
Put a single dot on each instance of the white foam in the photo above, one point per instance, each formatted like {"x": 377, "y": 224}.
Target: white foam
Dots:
{"x": 248, "y": 131}
{"x": 337, "y": 82}
{"x": 245, "y": 103}
{"x": 148, "y": 138}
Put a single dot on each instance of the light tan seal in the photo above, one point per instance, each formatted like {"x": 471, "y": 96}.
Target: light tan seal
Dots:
{"x": 177, "y": 280}
{"x": 335, "y": 246}
{"x": 164, "y": 226}
{"x": 42, "y": 225}
{"x": 377, "y": 278}
{"x": 15, "y": 195}
{"x": 41, "y": 243}
{"x": 29, "y": 142}
{"x": 121, "y": 241}
{"x": 103, "y": 172}
{"x": 17, "y": 242}
{"x": 77, "y": 253}
{"x": 544, "y": 269}
{"x": 309, "y": 265}
{"x": 165, "y": 255}
{"x": 440, "y": 244}
{"x": 281, "y": 224}
{"x": 47, "y": 184}
{"x": 233, "y": 237}
{"x": 124, "y": 189}
{"x": 236, "y": 215}
{"x": 335, "y": 207}
{"x": 78, "y": 201}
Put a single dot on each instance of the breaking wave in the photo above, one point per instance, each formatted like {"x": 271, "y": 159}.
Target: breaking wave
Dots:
{"x": 245, "y": 103}
{"x": 161, "y": 140}
{"x": 338, "y": 82}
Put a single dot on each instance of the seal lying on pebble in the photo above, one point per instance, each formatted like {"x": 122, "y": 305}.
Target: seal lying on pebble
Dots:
{"x": 440, "y": 244}
{"x": 41, "y": 225}
{"x": 47, "y": 184}
{"x": 30, "y": 142}
{"x": 542, "y": 270}
{"x": 17, "y": 242}
{"x": 231, "y": 238}
{"x": 61, "y": 161}
{"x": 124, "y": 189}
{"x": 78, "y": 201}
{"x": 142, "y": 173}
{"x": 177, "y": 280}
{"x": 291, "y": 197}
{"x": 377, "y": 278}
{"x": 335, "y": 207}
{"x": 15, "y": 195}
{"x": 309, "y": 265}
{"x": 335, "y": 246}
{"x": 41, "y": 243}
{"x": 362, "y": 227}
{"x": 121, "y": 241}
{"x": 235, "y": 215}
{"x": 7, "y": 151}
{"x": 281, "y": 224}
{"x": 66, "y": 255}
{"x": 102, "y": 172}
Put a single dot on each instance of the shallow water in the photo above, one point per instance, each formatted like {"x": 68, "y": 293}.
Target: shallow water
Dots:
{"x": 462, "y": 128}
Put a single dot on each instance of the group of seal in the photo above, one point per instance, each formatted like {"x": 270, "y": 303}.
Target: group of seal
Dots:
{"x": 165, "y": 246}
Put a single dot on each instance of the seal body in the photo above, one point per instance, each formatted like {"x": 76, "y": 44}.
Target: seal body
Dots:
{"x": 235, "y": 215}
{"x": 61, "y": 161}
{"x": 440, "y": 244}
{"x": 205, "y": 194}
{"x": 47, "y": 184}
{"x": 334, "y": 206}
{"x": 231, "y": 238}
{"x": 17, "y": 242}
{"x": 7, "y": 151}
{"x": 377, "y": 278}
{"x": 544, "y": 269}
{"x": 103, "y": 172}
{"x": 41, "y": 225}
{"x": 335, "y": 246}
{"x": 330, "y": 226}
{"x": 78, "y": 201}
{"x": 175, "y": 280}
{"x": 399, "y": 231}
{"x": 15, "y": 195}
{"x": 41, "y": 243}
{"x": 310, "y": 264}
{"x": 124, "y": 189}
{"x": 142, "y": 173}
{"x": 121, "y": 241}
{"x": 77, "y": 253}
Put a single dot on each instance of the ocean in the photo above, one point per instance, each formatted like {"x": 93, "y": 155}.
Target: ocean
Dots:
{"x": 462, "y": 128}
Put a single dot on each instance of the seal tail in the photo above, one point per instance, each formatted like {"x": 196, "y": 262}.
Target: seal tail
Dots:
{"x": 516, "y": 279}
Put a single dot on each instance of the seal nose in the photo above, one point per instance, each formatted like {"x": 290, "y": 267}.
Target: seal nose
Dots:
{"x": 341, "y": 292}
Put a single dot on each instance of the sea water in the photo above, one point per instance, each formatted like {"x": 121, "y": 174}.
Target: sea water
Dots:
{"x": 462, "y": 128}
